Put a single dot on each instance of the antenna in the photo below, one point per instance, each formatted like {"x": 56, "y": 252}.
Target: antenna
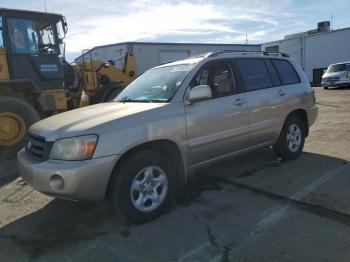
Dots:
{"x": 45, "y": 6}
{"x": 332, "y": 21}
{"x": 246, "y": 34}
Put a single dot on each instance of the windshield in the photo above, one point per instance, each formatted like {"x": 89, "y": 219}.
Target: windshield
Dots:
{"x": 339, "y": 68}
{"x": 32, "y": 36}
{"x": 155, "y": 85}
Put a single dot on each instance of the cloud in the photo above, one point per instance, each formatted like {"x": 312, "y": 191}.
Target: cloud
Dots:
{"x": 157, "y": 21}
{"x": 98, "y": 22}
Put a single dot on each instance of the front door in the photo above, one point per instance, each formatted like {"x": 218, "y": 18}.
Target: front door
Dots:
{"x": 218, "y": 126}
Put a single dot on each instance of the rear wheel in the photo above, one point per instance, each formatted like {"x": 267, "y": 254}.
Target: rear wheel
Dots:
{"x": 141, "y": 188}
{"x": 325, "y": 87}
{"x": 16, "y": 116}
{"x": 290, "y": 143}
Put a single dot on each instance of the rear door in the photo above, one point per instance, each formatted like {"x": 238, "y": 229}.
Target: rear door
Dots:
{"x": 292, "y": 84}
{"x": 218, "y": 126}
{"x": 266, "y": 99}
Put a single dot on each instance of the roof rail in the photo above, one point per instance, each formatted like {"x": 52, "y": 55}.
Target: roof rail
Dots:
{"x": 249, "y": 52}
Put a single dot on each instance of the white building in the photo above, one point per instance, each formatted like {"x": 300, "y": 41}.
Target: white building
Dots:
{"x": 149, "y": 54}
{"x": 315, "y": 49}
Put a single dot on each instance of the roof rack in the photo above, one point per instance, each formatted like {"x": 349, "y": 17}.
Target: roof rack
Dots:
{"x": 249, "y": 52}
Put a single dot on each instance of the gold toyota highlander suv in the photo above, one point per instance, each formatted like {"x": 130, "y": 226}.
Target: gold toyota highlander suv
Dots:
{"x": 170, "y": 121}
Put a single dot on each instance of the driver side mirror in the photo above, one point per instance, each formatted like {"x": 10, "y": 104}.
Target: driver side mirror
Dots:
{"x": 199, "y": 93}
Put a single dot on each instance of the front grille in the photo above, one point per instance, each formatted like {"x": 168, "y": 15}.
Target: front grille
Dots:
{"x": 334, "y": 78}
{"x": 37, "y": 147}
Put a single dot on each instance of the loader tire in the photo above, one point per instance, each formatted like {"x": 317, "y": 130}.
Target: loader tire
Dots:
{"x": 16, "y": 116}
{"x": 107, "y": 93}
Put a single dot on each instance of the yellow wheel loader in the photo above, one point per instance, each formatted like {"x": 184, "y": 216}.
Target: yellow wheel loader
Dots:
{"x": 35, "y": 79}
{"x": 98, "y": 81}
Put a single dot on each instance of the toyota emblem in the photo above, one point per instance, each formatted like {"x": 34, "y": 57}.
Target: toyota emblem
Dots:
{"x": 29, "y": 145}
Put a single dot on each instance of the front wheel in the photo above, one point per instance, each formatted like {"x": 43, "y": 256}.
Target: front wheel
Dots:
{"x": 107, "y": 93}
{"x": 290, "y": 143}
{"x": 16, "y": 116}
{"x": 325, "y": 87}
{"x": 141, "y": 188}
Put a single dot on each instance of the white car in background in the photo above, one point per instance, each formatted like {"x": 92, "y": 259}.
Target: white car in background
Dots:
{"x": 336, "y": 75}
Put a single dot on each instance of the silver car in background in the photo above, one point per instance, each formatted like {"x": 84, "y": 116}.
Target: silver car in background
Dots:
{"x": 336, "y": 75}
{"x": 168, "y": 123}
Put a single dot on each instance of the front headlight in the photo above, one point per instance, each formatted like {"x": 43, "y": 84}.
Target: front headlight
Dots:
{"x": 74, "y": 148}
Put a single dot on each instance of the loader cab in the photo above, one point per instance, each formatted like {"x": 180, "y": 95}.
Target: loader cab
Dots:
{"x": 32, "y": 41}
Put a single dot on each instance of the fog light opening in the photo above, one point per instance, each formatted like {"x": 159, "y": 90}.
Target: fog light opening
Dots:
{"x": 56, "y": 182}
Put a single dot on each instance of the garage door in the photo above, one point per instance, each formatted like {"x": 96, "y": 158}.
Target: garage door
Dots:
{"x": 166, "y": 56}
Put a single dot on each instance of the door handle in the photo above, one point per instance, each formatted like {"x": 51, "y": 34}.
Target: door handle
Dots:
{"x": 281, "y": 92}
{"x": 238, "y": 102}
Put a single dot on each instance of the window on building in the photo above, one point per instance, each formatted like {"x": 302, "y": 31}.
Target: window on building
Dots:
{"x": 274, "y": 48}
{"x": 286, "y": 72}
{"x": 254, "y": 73}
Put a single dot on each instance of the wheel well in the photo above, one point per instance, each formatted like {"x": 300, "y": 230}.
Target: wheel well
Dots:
{"x": 301, "y": 113}
{"x": 167, "y": 147}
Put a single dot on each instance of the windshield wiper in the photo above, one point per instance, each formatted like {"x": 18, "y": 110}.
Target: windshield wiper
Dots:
{"x": 143, "y": 100}
{"x": 132, "y": 100}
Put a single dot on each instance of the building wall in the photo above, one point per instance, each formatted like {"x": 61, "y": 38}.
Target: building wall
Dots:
{"x": 154, "y": 54}
{"x": 316, "y": 50}
{"x": 321, "y": 50}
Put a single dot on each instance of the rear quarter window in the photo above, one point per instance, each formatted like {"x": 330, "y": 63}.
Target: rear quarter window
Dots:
{"x": 286, "y": 72}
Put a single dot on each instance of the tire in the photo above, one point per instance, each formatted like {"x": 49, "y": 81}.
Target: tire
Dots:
{"x": 107, "y": 93}
{"x": 325, "y": 87}
{"x": 123, "y": 189}
{"x": 291, "y": 141}
{"x": 24, "y": 116}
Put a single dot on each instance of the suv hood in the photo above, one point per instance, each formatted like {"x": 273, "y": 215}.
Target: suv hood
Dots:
{"x": 88, "y": 120}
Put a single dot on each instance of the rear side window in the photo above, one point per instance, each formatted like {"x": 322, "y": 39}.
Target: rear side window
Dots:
{"x": 254, "y": 73}
{"x": 287, "y": 73}
{"x": 273, "y": 73}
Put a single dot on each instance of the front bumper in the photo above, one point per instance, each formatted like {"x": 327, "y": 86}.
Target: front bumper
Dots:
{"x": 335, "y": 83}
{"x": 76, "y": 180}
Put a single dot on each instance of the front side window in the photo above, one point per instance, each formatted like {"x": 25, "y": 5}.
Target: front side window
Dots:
{"x": 254, "y": 73}
{"x": 155, "y": 85}
{"x": 219, "y": 77}
{"x": 286, "y": 72}
{"x": 31, "y": 37}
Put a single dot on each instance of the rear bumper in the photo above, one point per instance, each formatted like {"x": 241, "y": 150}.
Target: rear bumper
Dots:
{"x": 76, "y": 180}
{"x": 312, "y": 114}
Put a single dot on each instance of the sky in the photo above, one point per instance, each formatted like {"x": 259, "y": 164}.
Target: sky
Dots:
{"x": 98, "y": 22}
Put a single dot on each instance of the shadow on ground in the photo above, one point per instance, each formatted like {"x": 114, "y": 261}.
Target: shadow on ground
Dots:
{"x": 61, "y": 224}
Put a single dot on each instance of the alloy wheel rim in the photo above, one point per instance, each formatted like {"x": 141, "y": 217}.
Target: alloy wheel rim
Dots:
{"x": 294, "y": 138}
{"x": 12, "y": 128}
{"x": 149, "y": 189}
